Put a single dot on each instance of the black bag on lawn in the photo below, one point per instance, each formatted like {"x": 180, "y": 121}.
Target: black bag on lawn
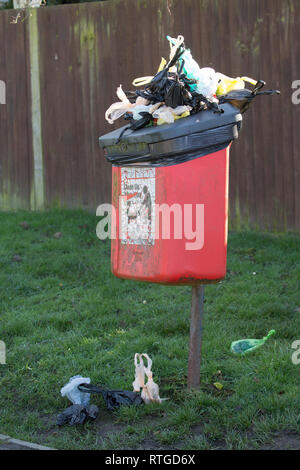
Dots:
{"x": 113, "y": 398}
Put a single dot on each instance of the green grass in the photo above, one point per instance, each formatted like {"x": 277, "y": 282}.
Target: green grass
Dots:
{"x": 63, "y": 313}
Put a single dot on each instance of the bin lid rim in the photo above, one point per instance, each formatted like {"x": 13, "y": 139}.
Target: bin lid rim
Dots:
{"x": 202, "y": 121}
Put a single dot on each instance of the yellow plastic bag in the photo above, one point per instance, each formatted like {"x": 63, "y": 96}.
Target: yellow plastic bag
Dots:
{"x": 167, "y": 115}
{"x": 227, "y": 84}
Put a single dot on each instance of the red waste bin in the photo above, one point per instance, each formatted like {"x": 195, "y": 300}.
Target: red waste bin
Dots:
{"x": 170, "y": 194}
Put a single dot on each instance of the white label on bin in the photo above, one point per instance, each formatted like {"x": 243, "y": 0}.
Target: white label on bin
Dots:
{"x": 137, "y": 206}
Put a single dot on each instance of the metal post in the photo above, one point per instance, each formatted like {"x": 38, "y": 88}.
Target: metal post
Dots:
{"x": 195, "y": 336}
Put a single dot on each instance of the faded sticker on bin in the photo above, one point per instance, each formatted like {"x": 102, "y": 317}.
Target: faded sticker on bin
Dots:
{"x": 137, "y": 206}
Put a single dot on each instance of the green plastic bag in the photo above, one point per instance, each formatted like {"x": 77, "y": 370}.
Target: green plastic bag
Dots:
{"x": 244, "y": 346}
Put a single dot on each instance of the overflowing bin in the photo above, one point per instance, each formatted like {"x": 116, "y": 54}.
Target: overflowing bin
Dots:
{"x": 170, "y": 169}
{"x": 170, "y": 193}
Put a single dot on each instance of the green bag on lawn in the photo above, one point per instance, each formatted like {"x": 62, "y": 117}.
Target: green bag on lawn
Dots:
{"x": 244, "y": 346}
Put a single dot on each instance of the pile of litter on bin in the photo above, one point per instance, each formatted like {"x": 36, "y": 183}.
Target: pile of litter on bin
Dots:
{"x": 181, "y": 88}
{"x": 79, "y": 388}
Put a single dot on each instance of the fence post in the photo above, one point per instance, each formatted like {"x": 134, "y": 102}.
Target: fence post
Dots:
{"x": 37, "y": 198}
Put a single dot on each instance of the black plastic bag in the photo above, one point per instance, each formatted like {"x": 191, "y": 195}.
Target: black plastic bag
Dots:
{"x": 176, "y": 94}
{"x": 77, "y": 414}
{"x": 242, "y": 99}
{"x": 139, "y": 123}
{"x": 199, "y": 103}
{"x": 155, "y": 90}
{"x": 136, "y": 124}
{"x": 113, "y": 398}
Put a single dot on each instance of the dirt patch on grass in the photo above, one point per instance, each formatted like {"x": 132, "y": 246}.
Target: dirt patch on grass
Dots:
{"x": 284, "y": 440}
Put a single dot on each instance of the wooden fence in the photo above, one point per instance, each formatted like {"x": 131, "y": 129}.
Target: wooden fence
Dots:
{"x": 62, "y": 65}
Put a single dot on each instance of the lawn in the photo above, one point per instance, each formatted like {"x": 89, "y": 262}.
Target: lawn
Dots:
{"x": 62, "y": 313}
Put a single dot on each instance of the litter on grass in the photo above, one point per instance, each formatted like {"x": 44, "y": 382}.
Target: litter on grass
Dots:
{"x": 113, "y": 398}
{"x": 77, "y": 414}
{"x": 150, "y": 390}
{"x": 79, "y": 389}
{"x": 71, "y": 391}
{"x": 244, "y": 346}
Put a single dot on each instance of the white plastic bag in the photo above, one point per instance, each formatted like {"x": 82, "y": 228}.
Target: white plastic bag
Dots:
{"x": 118, "y": 109}
{"x": 166, "y": 113}
{"x": 207, "y": 83}
{"x": 139, "y": 381}
{"x": 174, "y": 44}
{"x": 150, "y": 390}
{"x": 70, "y": 390}
{"x": 136, "y": 110}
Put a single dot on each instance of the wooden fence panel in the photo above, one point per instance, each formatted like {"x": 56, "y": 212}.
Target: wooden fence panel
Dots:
{"x": 87, "y": 50}
{"x": 15, "y": 127}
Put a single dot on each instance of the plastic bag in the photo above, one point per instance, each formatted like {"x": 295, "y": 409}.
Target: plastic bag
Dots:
{"x": 145, "y": 80}
{"x": 241, "y": 99}
{"x": 77, "y": 414}
{"x": 168, "y": 115}
{"x": 113, "y": 398}
{"x": 139, "y": 111}
{"x": 118, "y": 109}
{"x": 71, "y": 391}
{"x": 190, "y": 67}
{"x": 180, "y": 82}
{"x": 156, "y": 87}
{"x": 150, "y": 390}
{"x": 139, "y": 380}
{"x": 176, "y": 94}
{"x": 227, "y": 84}
{"x": 207, "y": 83}
{"x": 160, "y": 121}
{"x": 206, "y": 78}
{"x": 244, "y": 346}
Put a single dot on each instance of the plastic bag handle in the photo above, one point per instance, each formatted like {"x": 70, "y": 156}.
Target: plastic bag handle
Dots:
{"x": 145, "y": 80}
{"x": 249, "y": 80}
{"x": 259, "y": 85}
{"x": 141, "y": 81}
{"x": 90, "y": 388}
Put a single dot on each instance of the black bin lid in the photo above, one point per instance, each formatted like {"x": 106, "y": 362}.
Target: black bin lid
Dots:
{"x": 195, "y": 123}
{"x": 192, "y": 137}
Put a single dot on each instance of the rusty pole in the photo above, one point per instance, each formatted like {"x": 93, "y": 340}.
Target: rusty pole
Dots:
{"x": 196, "y": 327}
